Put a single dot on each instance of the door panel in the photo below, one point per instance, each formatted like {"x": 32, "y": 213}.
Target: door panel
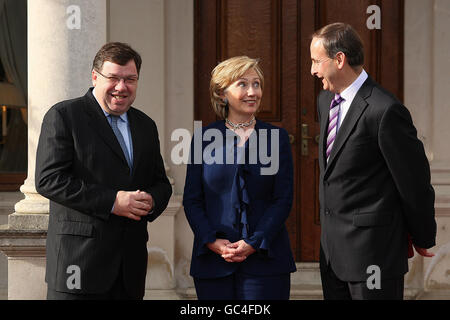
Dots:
{"x": 240, "y": 34}
{"x": 278, "y": 32}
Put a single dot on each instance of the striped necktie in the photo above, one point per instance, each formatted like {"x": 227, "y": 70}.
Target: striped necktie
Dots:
{"x": 332, "y": 122}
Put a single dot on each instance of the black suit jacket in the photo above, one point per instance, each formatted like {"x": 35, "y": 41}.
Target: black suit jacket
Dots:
{"x": 375, "y": 188}
{"x": 80, "y": 167}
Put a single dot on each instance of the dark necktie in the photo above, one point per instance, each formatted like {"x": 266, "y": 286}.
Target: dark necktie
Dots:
{"x": 120, "y": 139}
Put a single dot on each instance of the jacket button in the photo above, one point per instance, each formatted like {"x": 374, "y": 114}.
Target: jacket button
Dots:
{"x": 327, "y": 211}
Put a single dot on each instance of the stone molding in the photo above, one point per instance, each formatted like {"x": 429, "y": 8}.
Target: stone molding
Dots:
{"x": 22, "y": 243}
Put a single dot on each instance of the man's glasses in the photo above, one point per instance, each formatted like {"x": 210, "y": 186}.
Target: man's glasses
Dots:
{"x": 131, "y": 80}
{"x": 317, "y": 62}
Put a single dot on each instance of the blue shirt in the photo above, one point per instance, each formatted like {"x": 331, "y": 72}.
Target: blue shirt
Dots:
{"x": 124, "y": 128}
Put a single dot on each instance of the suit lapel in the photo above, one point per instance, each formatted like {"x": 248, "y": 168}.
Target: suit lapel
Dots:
{"x": 359, "y": 104}
{"x": 99, "y": 123}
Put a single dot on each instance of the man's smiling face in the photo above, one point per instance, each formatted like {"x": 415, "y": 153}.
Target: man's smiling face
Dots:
{"x": 115, "y": 97}
{"x": 322, "y": 66}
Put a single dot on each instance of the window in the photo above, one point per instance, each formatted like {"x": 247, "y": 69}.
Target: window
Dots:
{"x": 13, "y": 94}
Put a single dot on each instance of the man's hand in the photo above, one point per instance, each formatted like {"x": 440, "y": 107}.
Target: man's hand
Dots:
{"x": 147, "y": 200}
{"x": 424, "y": 252}
{"x": 132, "y": 204}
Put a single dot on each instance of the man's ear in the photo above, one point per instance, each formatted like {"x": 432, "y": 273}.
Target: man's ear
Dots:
{"x": 341, "y": 59}
{"x": 94, "y": 77}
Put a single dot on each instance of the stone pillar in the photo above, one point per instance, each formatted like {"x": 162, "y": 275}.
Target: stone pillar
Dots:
{"x": 179, "y": 113}
{"x": 179, "y": 72}
{"x": 436, "y": 270}
{"x": 418, "y": 99}
{"x": 63, "y": 37}
{"x": 427, "y": 65}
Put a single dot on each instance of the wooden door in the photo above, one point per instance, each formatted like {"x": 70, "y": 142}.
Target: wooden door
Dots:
{"x": 278, "y": 32}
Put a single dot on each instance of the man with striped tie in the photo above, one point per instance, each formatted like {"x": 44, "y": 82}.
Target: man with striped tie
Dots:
{"x": 374, "y": 189}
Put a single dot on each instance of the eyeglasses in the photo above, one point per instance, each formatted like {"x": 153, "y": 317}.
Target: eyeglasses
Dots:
{"x": 131, "y": 80}
{"x": 317, "y": 62}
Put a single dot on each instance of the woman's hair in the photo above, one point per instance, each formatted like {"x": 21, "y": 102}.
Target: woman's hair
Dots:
{"x": 224, "y": 74}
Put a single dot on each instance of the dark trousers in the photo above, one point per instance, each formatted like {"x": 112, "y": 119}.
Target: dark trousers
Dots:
{"x": 241, "y": 286}
{"x": 116, "y": 292}
{"x": 336, "y": 289}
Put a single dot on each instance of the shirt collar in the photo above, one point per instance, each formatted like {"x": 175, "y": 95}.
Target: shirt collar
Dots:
{"x": 123, "y": 116}
{"x": 350, "y": 92}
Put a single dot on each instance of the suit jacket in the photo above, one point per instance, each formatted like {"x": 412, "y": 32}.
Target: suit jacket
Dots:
{"x": 210, "y": 204}
{"x": 375, "y": 189}
{"x": 80, "y": 167}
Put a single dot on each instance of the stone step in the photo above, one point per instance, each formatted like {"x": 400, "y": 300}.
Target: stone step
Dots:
{"x": 314, "y": 292}
{"x": 3, "y": 293}
{"x": 434, "y": 295}
{"x": 160, "y": 294}
{"x": 298, "y": 292}
{"x": 306, "y": 292}
{"x": 305, "y": 282}
{"x": 307, "y": 274}
{"x": 187, "y": 293}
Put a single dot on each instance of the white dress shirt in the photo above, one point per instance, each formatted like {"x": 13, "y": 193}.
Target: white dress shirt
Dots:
{"x": 349, "y": 94}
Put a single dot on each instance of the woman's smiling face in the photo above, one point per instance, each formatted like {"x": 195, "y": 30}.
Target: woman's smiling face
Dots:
{"x": 244, "y": 96}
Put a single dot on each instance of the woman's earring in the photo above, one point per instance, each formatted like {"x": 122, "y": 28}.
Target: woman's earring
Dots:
{"x": 225, "y": 100}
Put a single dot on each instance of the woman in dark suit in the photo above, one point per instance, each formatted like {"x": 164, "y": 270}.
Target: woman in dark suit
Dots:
{"x": 238, "y": 193}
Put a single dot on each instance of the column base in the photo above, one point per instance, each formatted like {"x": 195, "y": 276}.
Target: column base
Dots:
{"x": 22, "y": 240}
{"x": 25, "y": 221}
{"x": 33, "y": 203}
{"x": 25, "y": 250}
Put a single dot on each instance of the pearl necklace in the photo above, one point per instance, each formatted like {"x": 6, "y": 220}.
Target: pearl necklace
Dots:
{"x": 241, "y": 125}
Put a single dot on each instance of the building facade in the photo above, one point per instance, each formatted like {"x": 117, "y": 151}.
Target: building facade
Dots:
{"x": 63, "y": 37}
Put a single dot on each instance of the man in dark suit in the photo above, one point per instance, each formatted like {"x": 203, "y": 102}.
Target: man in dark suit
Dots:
{"x": 375, "y": 189}
{"x": 99, "y": 163}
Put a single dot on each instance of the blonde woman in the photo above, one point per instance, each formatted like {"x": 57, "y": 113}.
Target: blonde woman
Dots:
{"x": 238, "y": 193}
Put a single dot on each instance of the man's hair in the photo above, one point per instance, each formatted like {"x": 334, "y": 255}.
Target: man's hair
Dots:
{"x": 116, "y": 52}
{"x": 341, "y": 37}
{"x": 227, "y": 72}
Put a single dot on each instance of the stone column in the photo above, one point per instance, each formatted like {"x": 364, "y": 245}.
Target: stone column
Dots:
{"x": 179, "y": 113}
{"x": 63, "y": 37}
{"x": 437, "y": 278}
{"x": 418, "y": 99}
{"x": 426, "y": 95}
